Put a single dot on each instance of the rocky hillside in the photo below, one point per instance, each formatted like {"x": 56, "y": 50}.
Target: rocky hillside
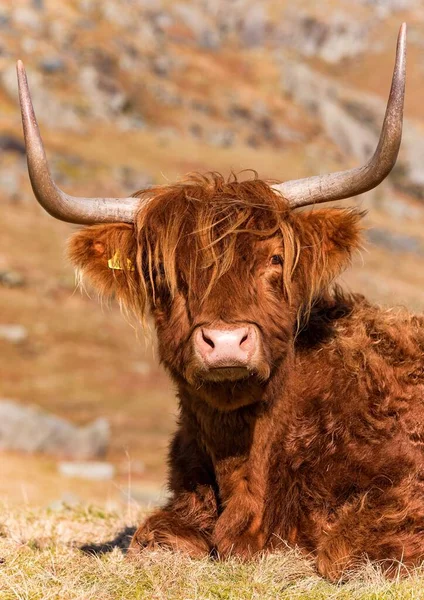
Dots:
{"x": 142, "y": 91}
{"x": 286, "y": 91}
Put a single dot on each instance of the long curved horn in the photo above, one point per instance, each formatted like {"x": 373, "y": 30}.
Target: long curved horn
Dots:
{"x": 60, "y": 205}
{"x": 345, "y": 184}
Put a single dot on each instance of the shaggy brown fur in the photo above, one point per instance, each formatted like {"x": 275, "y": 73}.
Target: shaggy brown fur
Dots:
{"x": 323, "y": 444}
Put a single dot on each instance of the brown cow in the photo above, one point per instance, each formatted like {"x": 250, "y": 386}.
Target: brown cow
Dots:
{"x": 301, "y": 406}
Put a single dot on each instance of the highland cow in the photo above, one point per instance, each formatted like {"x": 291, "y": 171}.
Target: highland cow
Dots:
{"x": 301, "y": 406}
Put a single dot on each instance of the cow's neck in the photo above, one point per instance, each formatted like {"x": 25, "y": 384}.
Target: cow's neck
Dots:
{"x": 238, "y": 441}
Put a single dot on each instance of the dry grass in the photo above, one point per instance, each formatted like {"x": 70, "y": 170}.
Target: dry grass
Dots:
{"x": 41, "y": 558}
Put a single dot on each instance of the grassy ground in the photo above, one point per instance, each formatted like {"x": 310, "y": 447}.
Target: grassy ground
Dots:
{"x": 78, "y": 554}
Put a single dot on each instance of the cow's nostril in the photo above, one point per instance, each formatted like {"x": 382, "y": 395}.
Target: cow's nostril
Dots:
{"x": 207, "y": 340}
{"x": 244, "y": 338}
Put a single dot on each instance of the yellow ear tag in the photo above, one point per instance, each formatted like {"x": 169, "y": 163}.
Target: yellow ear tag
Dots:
{"x": 115, "y": 263}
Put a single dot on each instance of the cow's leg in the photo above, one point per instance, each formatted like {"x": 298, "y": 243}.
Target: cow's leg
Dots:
{"x": 187, "y": 521}
{"x": 239, "y": 528}
{"x": 242, "y": 479}
{"x": 185, "y": 524}
{"x": 238, "y": 531}
{"x": 389, "y": 531}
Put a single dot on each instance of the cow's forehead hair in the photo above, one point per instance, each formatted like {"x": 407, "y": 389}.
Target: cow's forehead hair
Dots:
{"x": 207, "y": 216}
{"x": 198, "y": 224}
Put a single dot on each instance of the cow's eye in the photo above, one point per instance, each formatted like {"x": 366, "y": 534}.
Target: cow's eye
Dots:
{"x": 276, "y": 259}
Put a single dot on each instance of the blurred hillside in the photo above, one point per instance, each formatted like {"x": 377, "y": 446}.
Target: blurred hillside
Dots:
{"x": 137, "y": 92}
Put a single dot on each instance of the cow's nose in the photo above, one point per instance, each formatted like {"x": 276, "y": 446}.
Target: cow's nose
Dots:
{"x": 226, "y": 347}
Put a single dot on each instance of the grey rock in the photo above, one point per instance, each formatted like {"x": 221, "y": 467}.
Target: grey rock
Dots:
{"x": 166, "y": 134}
{"x": 253, "y": 141}
{"x": 163, "y": 20}
{"x": 112, "y": 12}
{"x": 353, "y": 120}
{"x": 412, "y": 159}
{"x": 130, "y": 123}
{"x": 151, "y": 4}
{"x": 166, "y": 96}
{"x": 195, "y": 130}
{"x": 13, "y": 333}
{"x": 12, "y": 279}
{"x": 52, "y": 64}
{"x": 385, "y": 7}
{"x": 103, "y": 92}
{"x": 210, "y": 39}
{"x": 162, "y": 65}
{"x": 192, "y": 17}
{"x": 4, "y": 19}
{"x": 223, "y": 138}
{"x": 31, "y": 429}
{"x": 238, "y": 111}
{"x": 53, "y": 112}
{"x": 399, "y": 207}
{"x": 10, "y": 182}
{"x": 131, "y": 179}
{"x": 146, "y": 495}
{"x": 4, "y": 52}
{"x": 92, "y": 470}
{"x": 200, "y": 106}
{"x": 86, "y": 6}
{"x": 395, "y": 242}
{"x": 11, "y": 143}
{"x": 253, "y": 31}
{"x": 27, "y": 17}
{"x": 202, "y": 28}
{"x": 288, "y": 134}
{"x": 29, "y": 45}
{"x": 333, "y": 40}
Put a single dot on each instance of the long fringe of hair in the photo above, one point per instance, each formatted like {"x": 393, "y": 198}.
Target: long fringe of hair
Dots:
{"x": 194, "y": 226}
{"x": 200, "y": 219}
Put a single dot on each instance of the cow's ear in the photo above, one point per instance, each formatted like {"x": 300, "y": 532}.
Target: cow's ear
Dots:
{"x": 328, "y": 238}
{"x": 105, "y": 257}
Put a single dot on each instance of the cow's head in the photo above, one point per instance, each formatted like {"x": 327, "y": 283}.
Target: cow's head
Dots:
{"x": 226, "y": 268}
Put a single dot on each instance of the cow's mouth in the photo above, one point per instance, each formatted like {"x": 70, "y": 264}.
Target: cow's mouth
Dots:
{"x": 227, "y": 373}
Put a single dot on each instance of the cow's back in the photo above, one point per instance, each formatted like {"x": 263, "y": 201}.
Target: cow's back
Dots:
{"x": 354, "y": 430}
